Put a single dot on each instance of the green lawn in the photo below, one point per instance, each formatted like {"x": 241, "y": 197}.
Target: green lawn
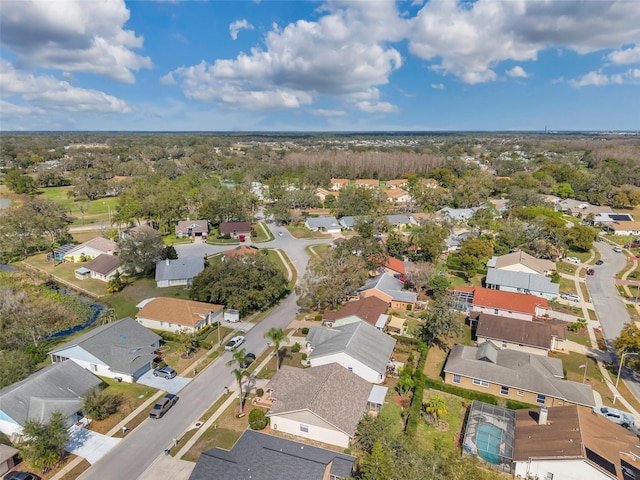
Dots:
{"x": 566, "y": 267}
{"x": 83, "y": 211}
{"x": 452, "y": 418}
{"x": 567, "y": 286}
{"x": 124, "y": 302}
{"x": 263, "y": 234}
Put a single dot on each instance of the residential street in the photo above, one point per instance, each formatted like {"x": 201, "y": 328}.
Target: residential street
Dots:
{"x": 140, "y": 448}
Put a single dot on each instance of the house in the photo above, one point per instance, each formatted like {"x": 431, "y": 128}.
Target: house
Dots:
{"x": 506, "y": 304}
{"x": 573, "y": 443}
{"x": 359, "y": 347}
{"x": 367, "y": 183}
{"x": 570, "y": 204}
{"x": 192, "y": 229}
{"x": 323, "y": 193}
{"x": 397, "y": 183}
{"x": 339, "y": 183}
{"x": 324, "y": 403}
{"x": 326, "y": 224}
{"x": 367, "y": 309}
{"x": 500, "y": 204}
{"x": 104, "y": 267}
{"x": 584, "y": 211}
{"x": 348, "y": 222}
{"x": 520, "y": 261}
{"x": 429, "y": 182}
{"x": 394, "y": 266}
{"x": 457, "y": 214}
{"x": 58, "y": 387}
{"x": 530, "y": 337}
{"x": 60, "y": 252}
{"x": 625, "y": 228}
{"x": 235, "y": 229}
{"x": 91, "y": 249}
{"x": 8, "y": 456}
{"x": 400, "y": 221}
{"x": 606, "y": 218}
{"x": 240, "y": 251}
{"x": 454, "y": 241}
{"x": 514, "y": 375}
{"x": 397, "y": 195}
{"x": 391, "y": 290}
{"x": 178, "y": 272}
{"x": 267, "y": 457}
{"x": 123, "y": 349}
{"x": 522, "y": 282}
{"x": 176, "y": 315}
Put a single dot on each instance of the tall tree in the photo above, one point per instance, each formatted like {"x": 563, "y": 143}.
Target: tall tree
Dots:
{"x": 43, "y": 443}
{"x": 140, "y": 251}
{"x": 277, "y": 337}
{"x": 441, "y": 320}
{"x": 237, "y": 358}
{"x": 377, "y": 464}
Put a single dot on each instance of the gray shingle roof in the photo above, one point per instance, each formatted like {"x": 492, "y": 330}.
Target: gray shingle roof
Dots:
{"x": 527, "y": 281}
{"x": 259, "y": 456}
{"x": 323, "y": 222}
{"x": 57, "y": 387}
{"x": 332, "y": 392}
{"x": 103, "y": 264}
{"x": 524, "y": 371}
{"x": 359, "y": 340}
{"x": 181, "y": 268}
{"x": 398, "y": 219}
{"x": 125, "y": 345}
{"x": 392, "y": 287}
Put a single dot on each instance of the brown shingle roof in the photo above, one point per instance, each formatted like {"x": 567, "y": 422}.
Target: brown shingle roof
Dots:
{"x": 330, "y": 391}
{"x": 176, "y": 310}
{"x": 235, "y": 227}
{"x": 368, "y": 309}
{"x": 240, "y": 251}
{"x": 537, "y": 264}
{"x": 103, "y": 264}
{"x": 518, "y": 331}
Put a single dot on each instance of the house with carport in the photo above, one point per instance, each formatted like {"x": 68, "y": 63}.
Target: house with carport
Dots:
{"x": 177, "y": 315}
{"x": 123, "y": 349}
{"x": 323, "y": 404}
{"x": 359, "y": 347}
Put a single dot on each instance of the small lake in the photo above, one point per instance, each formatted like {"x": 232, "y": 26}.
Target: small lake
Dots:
{"x": 5, "y": 202}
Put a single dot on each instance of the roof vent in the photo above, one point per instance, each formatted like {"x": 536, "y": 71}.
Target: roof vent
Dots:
{"x": 542, "y": 416}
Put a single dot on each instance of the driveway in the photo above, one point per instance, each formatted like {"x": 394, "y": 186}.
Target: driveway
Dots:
{"x": 172, "y": 386}
{"x": 90, "y": 445}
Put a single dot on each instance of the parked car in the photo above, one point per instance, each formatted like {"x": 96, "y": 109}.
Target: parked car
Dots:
{"x": 234, "y": 343}
{"x": 280, "y": 234}
{"x": 617, "y": 249}
{"x": 591, "y": 271}
{"x": 163, "y": 405}
{"x": 573, "y": 259}
{"x": 164, "y": 372}
{"x": 600, "y": 262}
{"x": 249, "y": 358}
{"x": 615, "y": 415}
{"x": 571, "y": 297}
{"x": 632, "y": 245}
{"x": 21, "y": 476}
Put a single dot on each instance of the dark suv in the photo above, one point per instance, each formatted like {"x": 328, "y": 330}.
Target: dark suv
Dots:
{"x": 163, "y": 405}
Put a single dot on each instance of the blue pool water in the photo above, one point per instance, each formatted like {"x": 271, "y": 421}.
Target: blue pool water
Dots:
{"x": 488, "y": 440}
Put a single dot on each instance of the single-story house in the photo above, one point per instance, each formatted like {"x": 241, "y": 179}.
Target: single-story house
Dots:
{"x": 123, "y": 349}
{"x": 573, "y": 443}
{"x": 327, "y": 224}
{"x": 400, "y": 221}
{"x": 348, "y": 222}
{"x": 500, "y": 204}
{"x": 192, "y": 228}
{"x": 60, "y": 252}
{"x": 366, "y": 309}
{"x": 397, "y": 195}
{"x": 583, "y": 212}
{"x": 104, "y": 267}
{"x": 8, "y": 456}
{"x": 505, "y": 304}
{"x": 323, "y": 193}
{"x": 367, "y": 183}
{"x": 235, "y": 229}
{"x": 181, "y": 271}
{"x": 625, "y": 228}
{"x": 515, "y": 375}
{"x": 606, "y": 218}
{"x": 324, "y": 403}
{"x": 394, "y": 266}
{"x": 454, "y": 241}
{"x": 360, "y": 347}
{"x": 267, "y": 457}
{"x": 57, "y": 387}
{"x": 339, "y": 183}
{"x": 531, "y": 337}
{"x": 570, "y": 204}
{"x": 91, "y": 249}
{"x": 520, "y": 261}
{"x": 457, "y": 214}
{"x": 397, "y": 183}
{"x": 522, "y": 282}
{"x": 241, "y": 250}
{"x": 176, "y": 314}
{"x": 391, "y": 290}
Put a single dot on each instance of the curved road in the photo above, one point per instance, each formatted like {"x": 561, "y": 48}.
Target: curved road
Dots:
{"x": 133, "y": 455}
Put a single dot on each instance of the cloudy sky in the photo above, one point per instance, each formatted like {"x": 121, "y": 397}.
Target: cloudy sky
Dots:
{"x": 336, "y": 65}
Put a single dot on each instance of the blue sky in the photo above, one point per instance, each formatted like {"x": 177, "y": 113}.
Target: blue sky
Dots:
{"x": 337, "y": 65}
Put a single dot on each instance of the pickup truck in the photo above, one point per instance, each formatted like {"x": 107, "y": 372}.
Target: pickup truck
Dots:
{"x": 163, "y": 405}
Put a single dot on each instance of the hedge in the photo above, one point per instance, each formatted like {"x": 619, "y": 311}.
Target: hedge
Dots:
{"x": 415, "y": 410}
{"x": 407, "y": 340}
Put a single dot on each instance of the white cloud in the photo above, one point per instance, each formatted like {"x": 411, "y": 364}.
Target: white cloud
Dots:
{"x": 517, "y": 72}
{"x": 625, "y": 55}
{"x": 597, "y": 79}
{"x": 11, "y": 109}
{"x": 343, "y": 54}
{"x": 72, "y": 35}
{"x": 385, "y": 107}
{"x": 47, "y": 92}
{"x": 238, "y": 25}
{"x": 438, "y": 86}
{"x": 168, "y": 79}
{"x": 328, "y": 113}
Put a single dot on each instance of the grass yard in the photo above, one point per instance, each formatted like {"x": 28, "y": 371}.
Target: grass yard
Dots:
{"x": 66, "y": 272}
{"x": 453, "y": 417}
{"x": 82, "y": 211}
{"x": 303, "y": 232}
{"x": 316, "y": 249}
{"x": 583, "y": 256}
{"x": 566, "y": 267}
{"x": 567, "y": 286}
{"x": 125, "y": 301}
{"x": 263, "y": 234}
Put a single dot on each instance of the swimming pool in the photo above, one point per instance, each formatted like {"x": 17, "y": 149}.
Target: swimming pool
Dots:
{"x": 488, "y": 440}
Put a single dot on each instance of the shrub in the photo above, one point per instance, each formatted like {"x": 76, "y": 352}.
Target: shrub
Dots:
{"x": 304, "y": 356}
{"x": 257, "y": 419}
{"x": 99, "y": 405}
{"x": 318, "y": 317}
{"x": 305, "y": 330}
{"x": 295, "y": 348}
{"x": 259, "y": 392}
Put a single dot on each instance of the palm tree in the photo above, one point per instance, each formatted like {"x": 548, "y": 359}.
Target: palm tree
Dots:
{"x": 437, "y": 406}
{"x": 239, "y": 372}
{"x": 277, "y": 337}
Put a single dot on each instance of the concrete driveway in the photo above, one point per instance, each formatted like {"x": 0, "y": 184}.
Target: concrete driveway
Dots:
{"x": 172, "y": 386}
{"x": 90, "y": 445}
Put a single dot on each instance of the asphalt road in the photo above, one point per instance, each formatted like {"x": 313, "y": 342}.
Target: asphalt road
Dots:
{"x": 132, "y": 456}
{"x": 611, "y": 311}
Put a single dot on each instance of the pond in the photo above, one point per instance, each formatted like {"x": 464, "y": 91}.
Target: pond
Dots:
{"x": 5, "y": 202}
{"x": 96, "y": 309}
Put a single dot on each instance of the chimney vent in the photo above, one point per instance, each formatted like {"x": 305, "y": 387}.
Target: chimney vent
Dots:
{"x": 542, "y": 417}
{"x": 166, "y": 262}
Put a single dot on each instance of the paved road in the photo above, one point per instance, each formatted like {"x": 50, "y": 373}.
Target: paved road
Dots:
{"x": 131, "y": 457}
{"x": 611, "y": 311}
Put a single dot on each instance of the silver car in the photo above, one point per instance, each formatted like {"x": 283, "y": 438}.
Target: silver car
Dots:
{"x": 615, "y": 415}
{"x": 234, "y": 343}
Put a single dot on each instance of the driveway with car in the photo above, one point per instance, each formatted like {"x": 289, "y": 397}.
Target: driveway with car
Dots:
{"x": 173, "y": 385}
{"x": 90, "y": 445}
